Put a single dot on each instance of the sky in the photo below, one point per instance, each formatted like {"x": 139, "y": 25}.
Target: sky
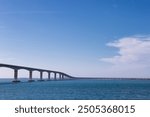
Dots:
{"x": 93, "y": 38}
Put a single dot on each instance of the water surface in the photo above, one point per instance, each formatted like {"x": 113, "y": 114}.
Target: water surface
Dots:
{"x": 75, "y": 90}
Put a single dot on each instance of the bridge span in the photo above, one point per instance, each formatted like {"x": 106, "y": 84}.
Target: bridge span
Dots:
{"x": 56, "y": 74}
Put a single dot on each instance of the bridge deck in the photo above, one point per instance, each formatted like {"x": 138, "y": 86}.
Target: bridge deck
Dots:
{"x": 30, "y": 69}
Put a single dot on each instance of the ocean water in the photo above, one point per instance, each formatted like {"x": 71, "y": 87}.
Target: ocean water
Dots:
{"x": 89, "y": 89}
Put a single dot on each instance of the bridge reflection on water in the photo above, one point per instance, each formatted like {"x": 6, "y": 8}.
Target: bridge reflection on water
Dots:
{"x": 57, "y": 75}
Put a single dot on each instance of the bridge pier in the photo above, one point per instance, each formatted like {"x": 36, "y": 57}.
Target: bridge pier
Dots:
{"x": 30, "y": 76}
{"x": 55, "y": 75}
{"x": 49, "y": 75}
{"x": 41, "y": 76}
{"x": 60, "y": 76}
{"x": 16, "y": 75}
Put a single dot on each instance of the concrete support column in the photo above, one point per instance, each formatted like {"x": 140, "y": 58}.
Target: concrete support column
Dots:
{"x": 49, "y": 75}
{"x": 41, "y": 75}
{"x": 55, "y": 75}
{"x": 30, "y": 76}
{"x": 60, "y": 76}
{"x": 16, "y": 75}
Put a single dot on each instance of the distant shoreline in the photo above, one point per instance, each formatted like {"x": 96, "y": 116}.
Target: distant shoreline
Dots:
{"x": 104, "y": 78}
{"x": 86, "y": 78}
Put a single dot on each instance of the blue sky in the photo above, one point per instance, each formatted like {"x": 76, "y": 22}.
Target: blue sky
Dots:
{"x": 79, "y": 37}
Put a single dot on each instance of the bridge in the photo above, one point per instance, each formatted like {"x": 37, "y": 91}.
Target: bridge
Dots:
{"x": 57, "y": 74}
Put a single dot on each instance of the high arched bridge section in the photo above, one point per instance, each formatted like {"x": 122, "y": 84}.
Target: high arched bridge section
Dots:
{"x": 56, "y": 74}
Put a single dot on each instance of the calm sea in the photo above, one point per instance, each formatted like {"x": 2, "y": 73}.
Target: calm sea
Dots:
{"x": 75, "y": 89}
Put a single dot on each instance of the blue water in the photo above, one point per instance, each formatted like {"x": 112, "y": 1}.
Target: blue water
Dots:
{"x": 76, "y": 90}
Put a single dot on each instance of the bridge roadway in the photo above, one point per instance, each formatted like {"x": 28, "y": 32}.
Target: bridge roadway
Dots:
{"x": 16, "y": 68}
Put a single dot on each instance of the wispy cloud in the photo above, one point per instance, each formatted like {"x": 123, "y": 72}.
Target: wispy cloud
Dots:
{"x": 133, "y": 56}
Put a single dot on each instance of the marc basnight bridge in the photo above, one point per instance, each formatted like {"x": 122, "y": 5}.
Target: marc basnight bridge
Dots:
{"x": 57, "y": 75}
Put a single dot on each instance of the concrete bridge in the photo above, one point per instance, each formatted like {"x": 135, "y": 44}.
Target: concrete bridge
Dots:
{"x": 56, "y": 74}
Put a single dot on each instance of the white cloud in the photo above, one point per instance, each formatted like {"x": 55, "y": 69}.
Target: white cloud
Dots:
{"x": 133, "y": 58}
